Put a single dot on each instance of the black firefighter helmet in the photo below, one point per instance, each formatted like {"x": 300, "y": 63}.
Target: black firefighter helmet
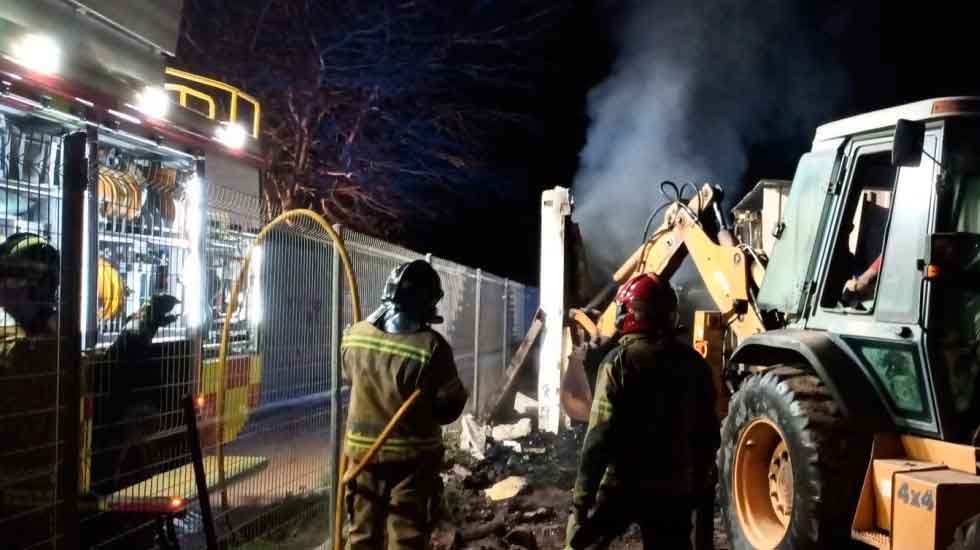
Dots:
{"x": 30, "y": 256}
{"x": 409, "y": 299}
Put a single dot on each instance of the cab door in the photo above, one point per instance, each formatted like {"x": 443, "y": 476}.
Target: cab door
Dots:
{"x": 870, "y": 294}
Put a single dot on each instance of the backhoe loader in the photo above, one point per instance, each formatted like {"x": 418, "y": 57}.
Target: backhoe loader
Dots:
{"x": 851, "y": 411}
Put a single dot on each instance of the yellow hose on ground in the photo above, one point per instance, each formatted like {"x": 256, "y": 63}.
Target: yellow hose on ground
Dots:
{"x": 233, "y": 305}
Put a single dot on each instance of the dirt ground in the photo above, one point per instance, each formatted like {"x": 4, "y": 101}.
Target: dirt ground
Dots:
{"x": 294, "y": 440}
{"x": 535, "y": 519}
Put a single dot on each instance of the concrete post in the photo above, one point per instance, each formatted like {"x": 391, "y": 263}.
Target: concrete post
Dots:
{"x": 556, "y": 206}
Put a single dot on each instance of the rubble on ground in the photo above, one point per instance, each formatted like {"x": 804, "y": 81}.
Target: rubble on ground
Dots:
{"x": 533, "y": 510}
{"x": 524, "y": 404}
{"x": 473, "y": 436}
{"x": 508, "y": 488}
{"x": 532, "y": 518}
{"x": 510, "y": 432}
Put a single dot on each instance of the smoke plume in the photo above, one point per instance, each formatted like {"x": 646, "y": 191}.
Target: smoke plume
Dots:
{"x": 693, "y": 86}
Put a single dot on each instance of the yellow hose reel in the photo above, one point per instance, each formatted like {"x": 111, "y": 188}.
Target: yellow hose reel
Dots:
{"x": 112, "y": 290}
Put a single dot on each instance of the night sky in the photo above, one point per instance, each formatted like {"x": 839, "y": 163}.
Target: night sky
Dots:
{"x": 876, "y": 54}
{"x": 885, "y": 55}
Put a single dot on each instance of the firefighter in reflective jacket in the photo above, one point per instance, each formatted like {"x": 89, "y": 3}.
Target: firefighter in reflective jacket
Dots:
{"x": 652, "y": 435}
{"x": 386, "y": 358}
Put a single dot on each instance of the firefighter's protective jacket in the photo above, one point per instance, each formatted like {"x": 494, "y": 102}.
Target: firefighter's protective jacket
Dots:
{"x": 652, "y": 426}
{"x": 384, "y": 369}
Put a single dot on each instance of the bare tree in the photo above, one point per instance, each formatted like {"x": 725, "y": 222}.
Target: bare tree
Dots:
{"x": 382, "y": 114}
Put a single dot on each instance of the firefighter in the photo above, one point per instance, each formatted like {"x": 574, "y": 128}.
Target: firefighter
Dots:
{"x": 29, "y": 268}
{"x": 649, "y": 449}
{"x": 28, "y": 350}
{"x": 29, "y": 281}
{"x": 386, "y": 358}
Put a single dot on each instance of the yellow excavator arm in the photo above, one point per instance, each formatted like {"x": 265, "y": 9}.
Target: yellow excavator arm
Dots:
{"x": 730, "y": 272}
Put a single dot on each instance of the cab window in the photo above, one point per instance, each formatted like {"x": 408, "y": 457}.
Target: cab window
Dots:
{"x": 857, "y": 256}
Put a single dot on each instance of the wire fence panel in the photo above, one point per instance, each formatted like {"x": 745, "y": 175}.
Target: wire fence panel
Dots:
{"x": 490, "y": 359}
{"x": 459, "y": 308}
{"x": 142, "y": 320}
{"x": 287, "y": 431}
{"x": 159, "y": 249}
{"x": 522, "y": 304}
{"x": 30, "y": 431}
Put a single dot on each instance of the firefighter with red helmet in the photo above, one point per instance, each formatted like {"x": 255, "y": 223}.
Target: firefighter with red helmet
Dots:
{"x": 652, "y": 434}
{"x": 387, "y": 357}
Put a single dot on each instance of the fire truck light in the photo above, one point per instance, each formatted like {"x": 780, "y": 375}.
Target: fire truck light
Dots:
{"x": 200, "y": 401}
{"x": 231, "y": 135}
{"x": 38, "y": 53}
{"x": 176, "y": 502}
{"x": 153, "y": 102}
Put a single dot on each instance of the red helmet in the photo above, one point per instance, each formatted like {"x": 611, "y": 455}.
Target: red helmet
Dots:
{"x": 644, "y": 304}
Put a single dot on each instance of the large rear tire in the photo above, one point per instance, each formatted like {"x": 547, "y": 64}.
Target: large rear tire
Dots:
{"x": 967, "y": 535}
{"x": 790, "y": 466}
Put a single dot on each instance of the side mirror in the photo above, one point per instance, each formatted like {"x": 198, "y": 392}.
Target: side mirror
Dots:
{"x": 907, "y": 149}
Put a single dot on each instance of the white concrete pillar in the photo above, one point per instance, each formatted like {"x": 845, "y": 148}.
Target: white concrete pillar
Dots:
{"x": 556, "y": 206}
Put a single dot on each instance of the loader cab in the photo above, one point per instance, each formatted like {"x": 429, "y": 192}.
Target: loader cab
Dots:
{"x": 853, "y": 260}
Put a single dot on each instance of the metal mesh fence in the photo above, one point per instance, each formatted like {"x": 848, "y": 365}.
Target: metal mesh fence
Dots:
{"x": 159, "y": 248}
{"x": 30, "y": 431}
{"x": 490, "y": 337}
{"x": 288, "y": 428}
{"x": 142, "y": 325}
{"x": 459, "y": 308}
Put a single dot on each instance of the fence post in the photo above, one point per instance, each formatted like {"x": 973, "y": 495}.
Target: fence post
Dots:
{"x": 335, "y": 378}
{"x": 69, "y": 396}
{"x": 505, "y": 338}
{"x": 476, "y": 344}
{"x": 90, "y": 240}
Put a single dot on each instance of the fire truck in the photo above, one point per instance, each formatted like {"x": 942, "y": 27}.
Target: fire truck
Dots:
{"x": 145, "y": 180}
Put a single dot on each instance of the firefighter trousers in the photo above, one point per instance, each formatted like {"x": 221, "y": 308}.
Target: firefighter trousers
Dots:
{"x": 664, "y": 520}
{"x": 393, "y": 498}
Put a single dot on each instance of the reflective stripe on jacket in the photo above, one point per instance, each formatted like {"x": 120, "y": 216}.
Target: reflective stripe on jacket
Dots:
{"x": 384, "y": 369}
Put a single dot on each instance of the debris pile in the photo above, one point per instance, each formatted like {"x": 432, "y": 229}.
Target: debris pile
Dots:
{"x": 513, "y": 492}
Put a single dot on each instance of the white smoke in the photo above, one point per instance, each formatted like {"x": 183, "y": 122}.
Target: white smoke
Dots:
{"x": 693, "y": 85}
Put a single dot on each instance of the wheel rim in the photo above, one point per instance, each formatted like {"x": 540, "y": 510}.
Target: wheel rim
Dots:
{"x": 781, "y": 483}
{"x": 763, "y": 484}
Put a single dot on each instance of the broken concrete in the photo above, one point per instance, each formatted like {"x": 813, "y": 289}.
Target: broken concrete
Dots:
{"x": 548, "y": 464}
{"x": 524, "y": 404}
{"x": 461, "y": 472}
{"x": 508, "y": 488}
{"x": 473, "y": 436}
{"x": 510, "y": 432}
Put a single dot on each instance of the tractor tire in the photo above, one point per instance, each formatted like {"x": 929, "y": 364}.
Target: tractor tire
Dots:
{"x": 967, "y": 536}
{"x": 790, "y": 467}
